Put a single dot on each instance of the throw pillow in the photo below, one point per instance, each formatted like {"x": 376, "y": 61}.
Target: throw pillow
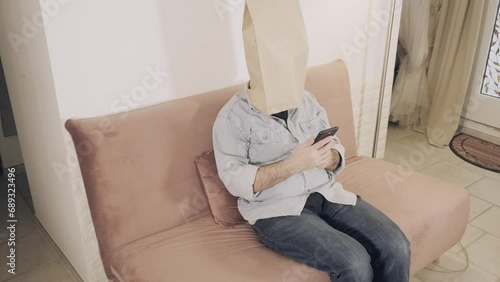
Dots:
{"x": 222, "y": 204}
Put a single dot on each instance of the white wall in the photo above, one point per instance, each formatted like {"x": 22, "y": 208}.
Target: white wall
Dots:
{"x": 101, "y": 52}
{"x": 36, "y": 111}
{"x": 112, "y": 55}
{"x": 356, "y": 32}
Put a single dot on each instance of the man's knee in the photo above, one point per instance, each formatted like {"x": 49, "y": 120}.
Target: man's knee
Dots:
{"x": 356, "y": 267}
{"x": 403, "y": 249}
{"x": 398, "y": 250}
{"x": 361, "y": 270}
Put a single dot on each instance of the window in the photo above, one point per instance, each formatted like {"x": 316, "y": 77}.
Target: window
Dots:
{"x": 491, "y": 79}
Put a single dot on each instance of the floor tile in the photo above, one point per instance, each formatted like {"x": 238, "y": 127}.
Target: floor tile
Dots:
{"x": 29, "y": 201}
{"x": 420, "y": 142}
{"x": 26, "y": 224}
{"x": 489, "y": 221}
{"x": 412, "y": 158}
{"x": 477, "y": 206}
{"x": 394, "y": 132}
{"x": 34, "y": 247}
{"x": 54, "y": 272}
{"x": 447, "y": 155}
{"x": 485, "y": 253}
{"x": 450, "y": 261}
{"x": 485, "y": 172}
{"x": 487, "y": 189}
{"x": 26, "y": 220}
{"x": 453, "y": 174}
{"x": 60, "y": 254}
{"x": 415, "y": 279}
{"x": 26, "y": 247}
{"x": 471, "y": 234}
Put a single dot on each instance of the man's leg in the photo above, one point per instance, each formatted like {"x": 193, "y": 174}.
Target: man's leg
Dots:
{"x": 385, "y": 242}
{"x": 310, "y": 240}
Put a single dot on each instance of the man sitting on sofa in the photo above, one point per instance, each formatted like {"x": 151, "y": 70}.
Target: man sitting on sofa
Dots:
{"x": 263, "y": 144}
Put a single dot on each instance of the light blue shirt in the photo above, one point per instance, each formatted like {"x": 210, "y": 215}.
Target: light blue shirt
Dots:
{"x": 245, "y": 139}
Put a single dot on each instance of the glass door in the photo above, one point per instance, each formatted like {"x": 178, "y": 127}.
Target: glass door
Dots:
{"x": 483, "y": 105}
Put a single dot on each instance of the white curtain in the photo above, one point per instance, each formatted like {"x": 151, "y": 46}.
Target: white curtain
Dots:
{"x": 450, "y": 68}
{"x": 411, "y": 92}
{"x": 431, "y": 97}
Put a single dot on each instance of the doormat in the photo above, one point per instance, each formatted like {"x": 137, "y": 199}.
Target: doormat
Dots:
{"x": 476, "y": 151}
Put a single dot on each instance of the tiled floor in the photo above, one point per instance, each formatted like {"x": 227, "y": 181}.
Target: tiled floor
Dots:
{"x": 482, "y": 236}
{"x": 38, "y": 257}
{"x": 410, "y": 149}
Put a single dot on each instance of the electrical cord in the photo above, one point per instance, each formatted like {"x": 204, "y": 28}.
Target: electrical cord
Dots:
{"x": 446, "y": 270}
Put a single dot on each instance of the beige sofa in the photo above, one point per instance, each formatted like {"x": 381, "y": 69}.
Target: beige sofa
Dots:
{"x": 152, "y": 220}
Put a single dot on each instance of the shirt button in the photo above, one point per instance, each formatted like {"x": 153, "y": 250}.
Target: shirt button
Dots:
{"x": 309, "y": 127}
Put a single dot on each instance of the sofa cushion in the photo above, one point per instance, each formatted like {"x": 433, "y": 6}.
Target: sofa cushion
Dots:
{"x": 202, "y": 251}
{"x": 431, "y": 213}
{"x": 222, "y": 204}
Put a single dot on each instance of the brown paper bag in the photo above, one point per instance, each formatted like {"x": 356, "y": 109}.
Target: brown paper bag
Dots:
{"x": 276, "y": 50}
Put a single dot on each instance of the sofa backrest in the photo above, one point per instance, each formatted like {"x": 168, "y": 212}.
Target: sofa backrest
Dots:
{"x": 329, "y": 83}
{"x": 138, "y": 167}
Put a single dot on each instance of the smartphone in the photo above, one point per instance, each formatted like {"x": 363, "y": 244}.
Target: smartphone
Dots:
{"x": 325, "y": 133}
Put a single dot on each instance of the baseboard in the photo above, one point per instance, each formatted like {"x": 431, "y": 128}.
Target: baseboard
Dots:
{"x": 480, "y": 130}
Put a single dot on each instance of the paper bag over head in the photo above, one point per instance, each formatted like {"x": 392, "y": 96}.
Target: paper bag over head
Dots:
{"x": 276, "y": 50}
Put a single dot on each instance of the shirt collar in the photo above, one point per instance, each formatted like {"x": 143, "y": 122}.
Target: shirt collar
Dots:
{"x": 247, "y": 87}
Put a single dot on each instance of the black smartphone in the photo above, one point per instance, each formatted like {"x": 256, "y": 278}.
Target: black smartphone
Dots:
{"x": 325, "y": 133}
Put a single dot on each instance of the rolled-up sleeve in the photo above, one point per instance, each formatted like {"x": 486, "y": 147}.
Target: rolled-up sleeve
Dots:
{"x": 338, "y": 146}
{"x": 336, "y": 141}
{"x": 231, "y": 155}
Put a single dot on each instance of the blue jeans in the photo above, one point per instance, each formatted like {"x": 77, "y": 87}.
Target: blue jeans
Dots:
{"x": 350, "y": 243}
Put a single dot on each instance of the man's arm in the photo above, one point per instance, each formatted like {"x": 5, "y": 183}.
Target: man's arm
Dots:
{"x": 336, "y": 160}
{"x": 335, "y": 144}
{"x": 304, "y": 157}
{"x": 269, "y": 175}
{"x": 231, "y": 154}
{"x": 245, "y": 180}
{"x": 338, "y": 164}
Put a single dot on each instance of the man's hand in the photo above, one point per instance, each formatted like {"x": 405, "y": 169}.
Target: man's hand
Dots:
{"x": 304, "y": 157}
{"x": 307, "y": 155}
{"x": 336, "y": 159}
